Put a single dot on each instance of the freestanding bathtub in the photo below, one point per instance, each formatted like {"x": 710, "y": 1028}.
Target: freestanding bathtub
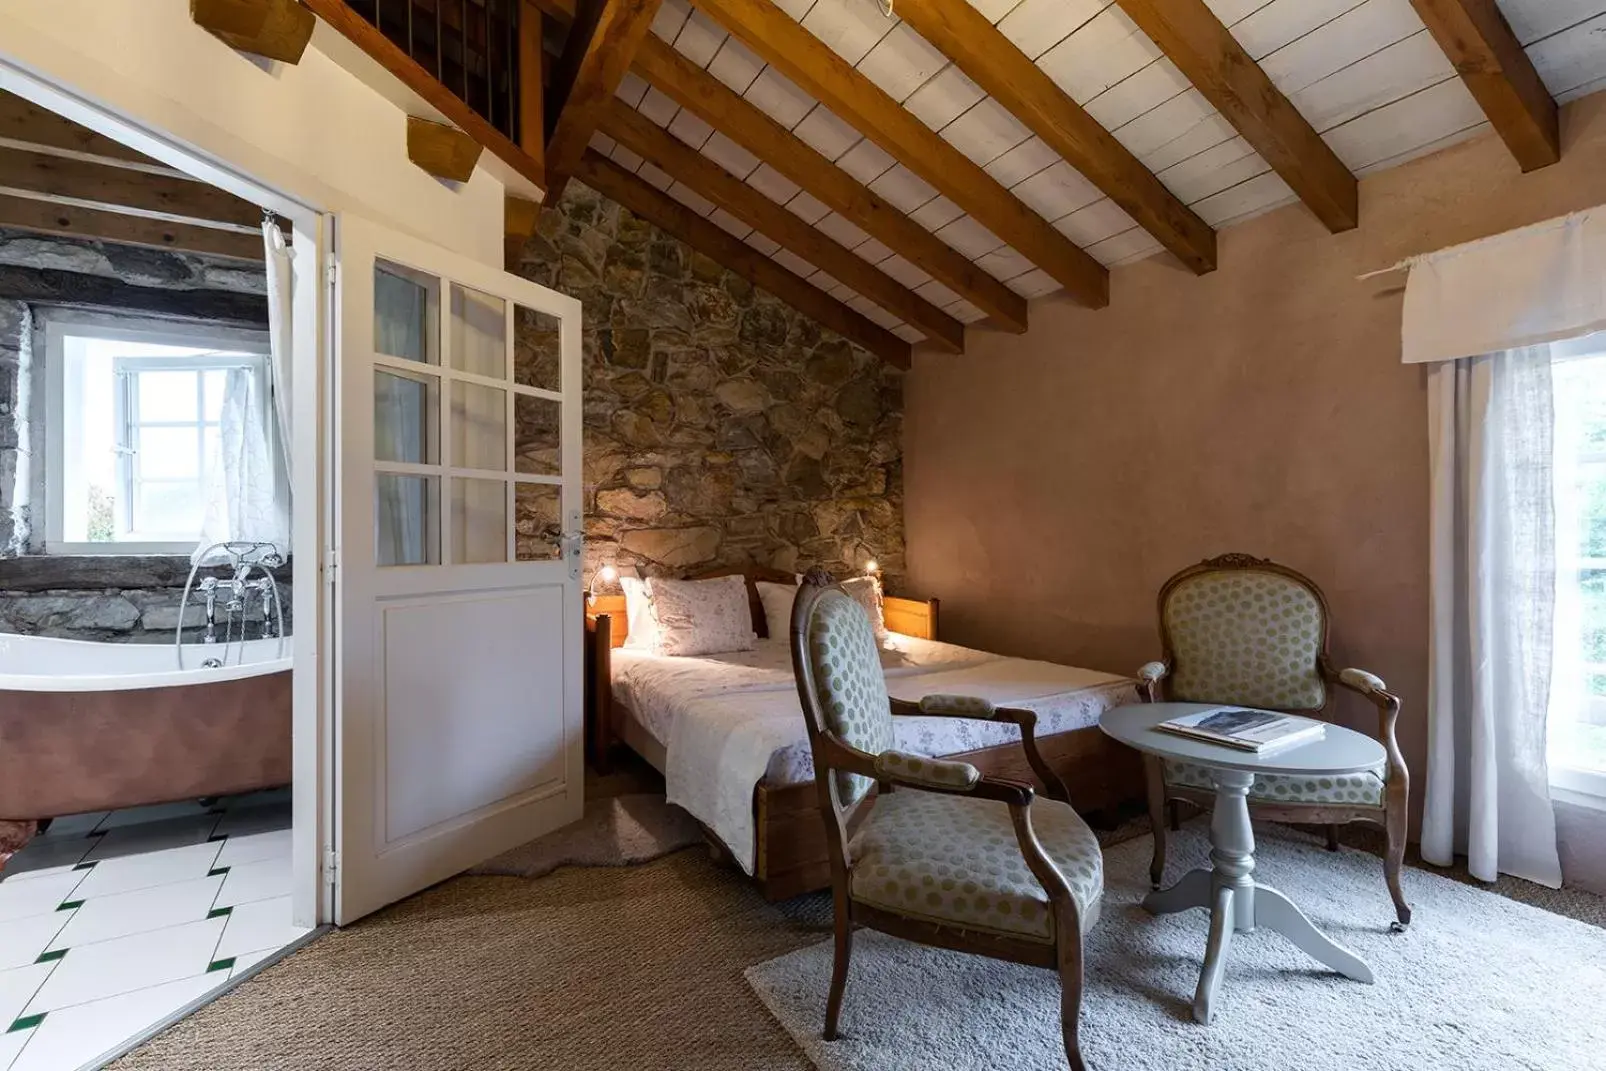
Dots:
{"x": 96, "y": 726}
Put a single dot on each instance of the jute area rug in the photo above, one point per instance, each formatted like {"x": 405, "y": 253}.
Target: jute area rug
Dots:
{"x": 1480, "y": 982}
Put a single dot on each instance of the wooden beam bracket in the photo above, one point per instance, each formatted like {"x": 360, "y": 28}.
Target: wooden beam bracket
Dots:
{"x": 277, "y": 29}
{"x": 443, "y": 151}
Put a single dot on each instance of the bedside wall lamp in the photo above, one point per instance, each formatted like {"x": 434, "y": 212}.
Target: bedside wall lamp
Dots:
{"x": 605, "y": 575}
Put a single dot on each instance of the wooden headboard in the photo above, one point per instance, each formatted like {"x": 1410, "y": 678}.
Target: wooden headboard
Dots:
{"x": 912, "y": 617}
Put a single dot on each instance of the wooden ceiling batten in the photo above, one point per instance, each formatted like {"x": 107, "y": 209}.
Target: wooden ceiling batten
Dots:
{"x": 1208, "y": 55}
{"x": 1495, "y": 67}
{"x": 532, "y": 82}
{"x": 795, "y": 52}
{"x": 277, "y": 29}
{"x": 24, "y": 121}
{"x": 989, "y": 58}
{"x": 602, "y": 41}
{"x": 362, "y": 33}
{"x": 708, "y": 238}
{"x": 75, "y": 221}
{"x": 443, "y": 151}
{"x": 707, "y": 179}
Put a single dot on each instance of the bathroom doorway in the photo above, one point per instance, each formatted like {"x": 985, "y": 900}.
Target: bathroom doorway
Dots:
{"x": 160, "y": 594}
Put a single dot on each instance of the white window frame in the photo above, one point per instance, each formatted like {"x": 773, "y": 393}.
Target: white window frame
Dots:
{"x": 57, "y": 326}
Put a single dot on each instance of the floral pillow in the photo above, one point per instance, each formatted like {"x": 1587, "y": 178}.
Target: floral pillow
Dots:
{"x": 697, "y": 617}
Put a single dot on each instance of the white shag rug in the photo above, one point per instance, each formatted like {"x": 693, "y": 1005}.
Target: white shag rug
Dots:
{"x": 615, "y": 831}
{"x": 1479, "y": 983}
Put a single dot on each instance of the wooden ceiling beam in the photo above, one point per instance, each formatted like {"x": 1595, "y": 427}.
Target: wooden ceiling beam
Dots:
{"x": 443, "y": 151}
{"x": 1495, "y": 67}
{"x": 708, "y": 238}
{"x": 716, "y": 104}
{"x": 979, "y": 49}
{"x": 783, "y": 43}
{"x": 707, "y": 179}
{"x": 1207, "y": 54}
{"x": 602, "y": 41}
{"x": 359, "y": 31}
{"x": 277, "y": 29}
{"x": 532, "y": 82}
{"x": 75, "y": 221}
{"x": 105, "y": 185}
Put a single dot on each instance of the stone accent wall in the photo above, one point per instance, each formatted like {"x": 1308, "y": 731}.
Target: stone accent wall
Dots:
{"x": 112, "y": 597}
{"x": 721, "y": 425}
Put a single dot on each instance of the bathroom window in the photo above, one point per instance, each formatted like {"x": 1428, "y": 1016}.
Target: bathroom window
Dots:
{"x": 135, "y": 428}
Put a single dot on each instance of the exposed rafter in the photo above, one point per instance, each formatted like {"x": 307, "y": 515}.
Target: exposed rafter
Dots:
{"x": 783, "y": 43}
{"x": 1496, "y": 68}
{"x": 394, "y": 59}
{"x": 716, "y": 104}
{"x": 24, "y": 121}
{"x": 277, "y": 29}
{"x": 443, "y": 151}
{"x": 707, "y": 179}
{"x": 103, "y": 185}
{"x": 601, "y": 43}
{"x": 75, "y": 221}
{"x": 1207, "y": 54}
{"x": 652, "y": 204}
{"x": 532, "y": 82}
{"x": 993, "y": 61}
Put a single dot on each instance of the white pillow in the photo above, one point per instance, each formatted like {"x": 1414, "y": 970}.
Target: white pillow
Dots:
{"x": 777, "y": 600}
{"x": 697, "y": 617}
{"x": 643, "y": 631}
{"x": 866, "y": 590}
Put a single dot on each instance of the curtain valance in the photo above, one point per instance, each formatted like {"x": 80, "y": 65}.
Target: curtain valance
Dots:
{"x": 1526, "y": 287}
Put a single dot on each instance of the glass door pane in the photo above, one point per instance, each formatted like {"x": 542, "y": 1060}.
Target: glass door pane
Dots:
{"x": 479, "y": 427}
{"x": 479, "y": 333}
{"x": 407, "y": 519}
{"x": 479, "y": 520}
{"x": 406, "y": 312}
{"x": 406, "y": 411}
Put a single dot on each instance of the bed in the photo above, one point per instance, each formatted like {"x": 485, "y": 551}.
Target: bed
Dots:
{"x": 728, "y": 735}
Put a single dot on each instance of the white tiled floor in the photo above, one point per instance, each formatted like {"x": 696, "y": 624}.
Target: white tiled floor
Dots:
{"x": 111, "y": 922}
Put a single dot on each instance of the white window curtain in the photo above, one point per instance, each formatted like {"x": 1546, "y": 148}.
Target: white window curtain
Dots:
{"x": 249, "y": 497}
{"x": 401, "y": 422}
{"x": 1493, "y": 566}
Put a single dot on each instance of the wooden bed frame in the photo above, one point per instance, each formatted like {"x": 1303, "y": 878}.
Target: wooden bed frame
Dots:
{"x": 791, "y": 849}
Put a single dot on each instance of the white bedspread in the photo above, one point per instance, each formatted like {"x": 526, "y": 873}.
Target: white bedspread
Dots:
{"x": 729, "y": 721}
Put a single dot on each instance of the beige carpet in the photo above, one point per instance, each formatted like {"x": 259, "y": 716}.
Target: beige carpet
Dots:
{"x": 583, "y": 970}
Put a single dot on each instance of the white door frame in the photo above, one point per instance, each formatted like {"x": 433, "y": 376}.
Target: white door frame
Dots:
{"x": 312, "y": 767}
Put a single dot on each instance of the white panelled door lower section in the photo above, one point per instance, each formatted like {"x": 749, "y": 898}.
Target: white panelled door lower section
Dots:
{"x": 456, "y": 654}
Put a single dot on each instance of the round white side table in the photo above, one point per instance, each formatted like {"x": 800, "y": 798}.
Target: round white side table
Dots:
{"x": 1236, "y": 901}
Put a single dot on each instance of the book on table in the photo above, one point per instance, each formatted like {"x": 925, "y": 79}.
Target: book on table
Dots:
{"x": 1245, "y": 728}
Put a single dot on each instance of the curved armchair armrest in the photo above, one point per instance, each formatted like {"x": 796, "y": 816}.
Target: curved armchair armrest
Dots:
{"x": 1150, "y": 674}
{"x": 958, "y": 706}
{"x": 1358, "y": 680}
{"x": 922, "y": 772}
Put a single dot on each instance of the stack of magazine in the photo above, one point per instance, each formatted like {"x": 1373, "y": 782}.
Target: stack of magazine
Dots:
{"x": 1246, "y": 729}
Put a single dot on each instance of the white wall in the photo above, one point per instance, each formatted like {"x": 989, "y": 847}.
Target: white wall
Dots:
{"x": 312, "y": 131}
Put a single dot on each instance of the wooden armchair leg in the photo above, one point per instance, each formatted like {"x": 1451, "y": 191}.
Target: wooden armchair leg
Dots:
{"x": 1155, "y": 783}
{"x": 1394, "y": 859}
{"x": 1070, "y": 971}
{"x": 839, "y": 968}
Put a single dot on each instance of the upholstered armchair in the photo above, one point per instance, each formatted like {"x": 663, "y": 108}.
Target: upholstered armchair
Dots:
{"x": 1248, "y": 632}
{"x": 937, "y": 853}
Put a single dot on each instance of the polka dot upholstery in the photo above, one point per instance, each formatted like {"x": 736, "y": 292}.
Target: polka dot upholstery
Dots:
{"x": 920, "y": 770}
{"x": 1360, "y": 789}
{"x": 1246, "y": 637}
{"x": 956, "y": 860}
{"x": 852, "y": 686}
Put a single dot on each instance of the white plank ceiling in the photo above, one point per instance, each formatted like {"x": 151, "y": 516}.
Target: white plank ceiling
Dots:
{"x": 1365, "y": 73}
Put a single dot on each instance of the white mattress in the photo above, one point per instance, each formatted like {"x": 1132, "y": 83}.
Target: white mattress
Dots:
{"x": 729, "y": 721}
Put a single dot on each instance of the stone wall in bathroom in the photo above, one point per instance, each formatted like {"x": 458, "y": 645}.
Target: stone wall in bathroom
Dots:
{"x": 123, "y": 598}
{"x": 721, "y": 425}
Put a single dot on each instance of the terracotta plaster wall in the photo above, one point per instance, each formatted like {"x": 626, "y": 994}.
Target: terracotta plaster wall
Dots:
{"x": 1055, "y": 479}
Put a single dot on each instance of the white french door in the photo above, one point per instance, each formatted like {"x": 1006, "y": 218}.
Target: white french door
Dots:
{"x": 457, "y": 594}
